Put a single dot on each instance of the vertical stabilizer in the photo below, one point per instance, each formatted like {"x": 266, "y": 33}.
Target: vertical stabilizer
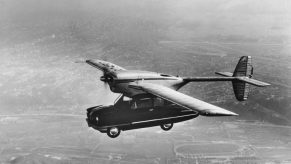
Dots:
{"x": 243, "y": 69}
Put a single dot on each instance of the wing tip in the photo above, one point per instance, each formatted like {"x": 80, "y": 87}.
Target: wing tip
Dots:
{"x": 219, "y": 113}
{"x": 235, "y": 114}
{"x": 229, "y": 113}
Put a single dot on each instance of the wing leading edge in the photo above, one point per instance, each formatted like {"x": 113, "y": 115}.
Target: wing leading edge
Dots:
{"x": 104, "y": 65}
{"x": 183, "y": 100}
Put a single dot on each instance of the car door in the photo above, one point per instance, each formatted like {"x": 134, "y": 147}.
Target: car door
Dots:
{"x": 142, "y": 109}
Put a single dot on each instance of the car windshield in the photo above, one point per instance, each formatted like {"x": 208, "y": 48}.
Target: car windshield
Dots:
{"x": 122, "y": 101}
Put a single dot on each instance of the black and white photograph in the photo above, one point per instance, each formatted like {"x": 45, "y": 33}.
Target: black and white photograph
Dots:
{"x": 145, "y": 81}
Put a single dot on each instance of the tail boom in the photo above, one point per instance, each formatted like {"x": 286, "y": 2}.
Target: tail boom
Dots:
{"x": 227, "y": 78}
{"x": 203, "y": 79}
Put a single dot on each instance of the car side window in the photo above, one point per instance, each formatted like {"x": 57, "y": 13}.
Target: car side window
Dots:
{"x": 133, "y": 105}
{"x": 142, "y": 103}
{"x": 158, "y": 102}
{"x": 126, "y": 98}
{"x": 145, "y": 103}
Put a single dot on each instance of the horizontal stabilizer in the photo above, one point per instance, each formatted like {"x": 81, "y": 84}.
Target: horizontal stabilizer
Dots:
{"x": 226, "y": 74}
{"x": 253, "y": 81}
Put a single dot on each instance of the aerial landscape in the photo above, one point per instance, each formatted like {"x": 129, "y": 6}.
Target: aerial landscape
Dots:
{"x": 45, "y": 93}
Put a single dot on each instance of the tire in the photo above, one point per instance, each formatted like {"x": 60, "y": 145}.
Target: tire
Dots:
{"x": 113, "y": 132}
{"x": 167, "y": 127}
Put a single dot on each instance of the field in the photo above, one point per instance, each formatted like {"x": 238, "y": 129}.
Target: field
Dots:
{"x": 67, "y": 139}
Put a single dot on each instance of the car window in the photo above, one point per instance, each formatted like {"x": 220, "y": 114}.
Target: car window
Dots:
{"x": 145, "y": 103}
{"x": 158, "y": 102}
{"x": 142, "y": 103}
{"x": 126, "y": 98}
{"x": 133, "y": 105}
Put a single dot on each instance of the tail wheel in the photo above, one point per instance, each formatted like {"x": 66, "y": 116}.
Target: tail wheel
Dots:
{"x": 167, "y": 127}
{"x": 113, "y": 132}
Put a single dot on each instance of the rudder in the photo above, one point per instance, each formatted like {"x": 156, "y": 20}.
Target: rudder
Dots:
{"x": 244, "y": 68}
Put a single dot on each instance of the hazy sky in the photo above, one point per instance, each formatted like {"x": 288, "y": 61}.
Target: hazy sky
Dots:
{"x": 247, "y": 17}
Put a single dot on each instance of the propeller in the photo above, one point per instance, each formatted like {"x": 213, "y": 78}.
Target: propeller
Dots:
{"x": 105, "y": 85}
{"x": 106, "y": 79}
{"x": 107, "y": 95}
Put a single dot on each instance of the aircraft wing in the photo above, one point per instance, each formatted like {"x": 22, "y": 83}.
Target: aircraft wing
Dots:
{"x": 104, "y": 66}
{"x": 203, "y": 108}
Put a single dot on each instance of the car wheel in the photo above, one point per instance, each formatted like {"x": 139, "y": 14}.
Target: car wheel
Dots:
{"x": 167, "y": 127}
{"x": 113, "y": 132}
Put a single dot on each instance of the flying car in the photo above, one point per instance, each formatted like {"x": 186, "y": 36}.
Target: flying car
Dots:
{"x": 150, "y": 99}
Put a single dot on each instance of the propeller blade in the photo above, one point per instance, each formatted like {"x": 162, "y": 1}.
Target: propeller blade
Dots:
{"x": 105, "y": 84}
